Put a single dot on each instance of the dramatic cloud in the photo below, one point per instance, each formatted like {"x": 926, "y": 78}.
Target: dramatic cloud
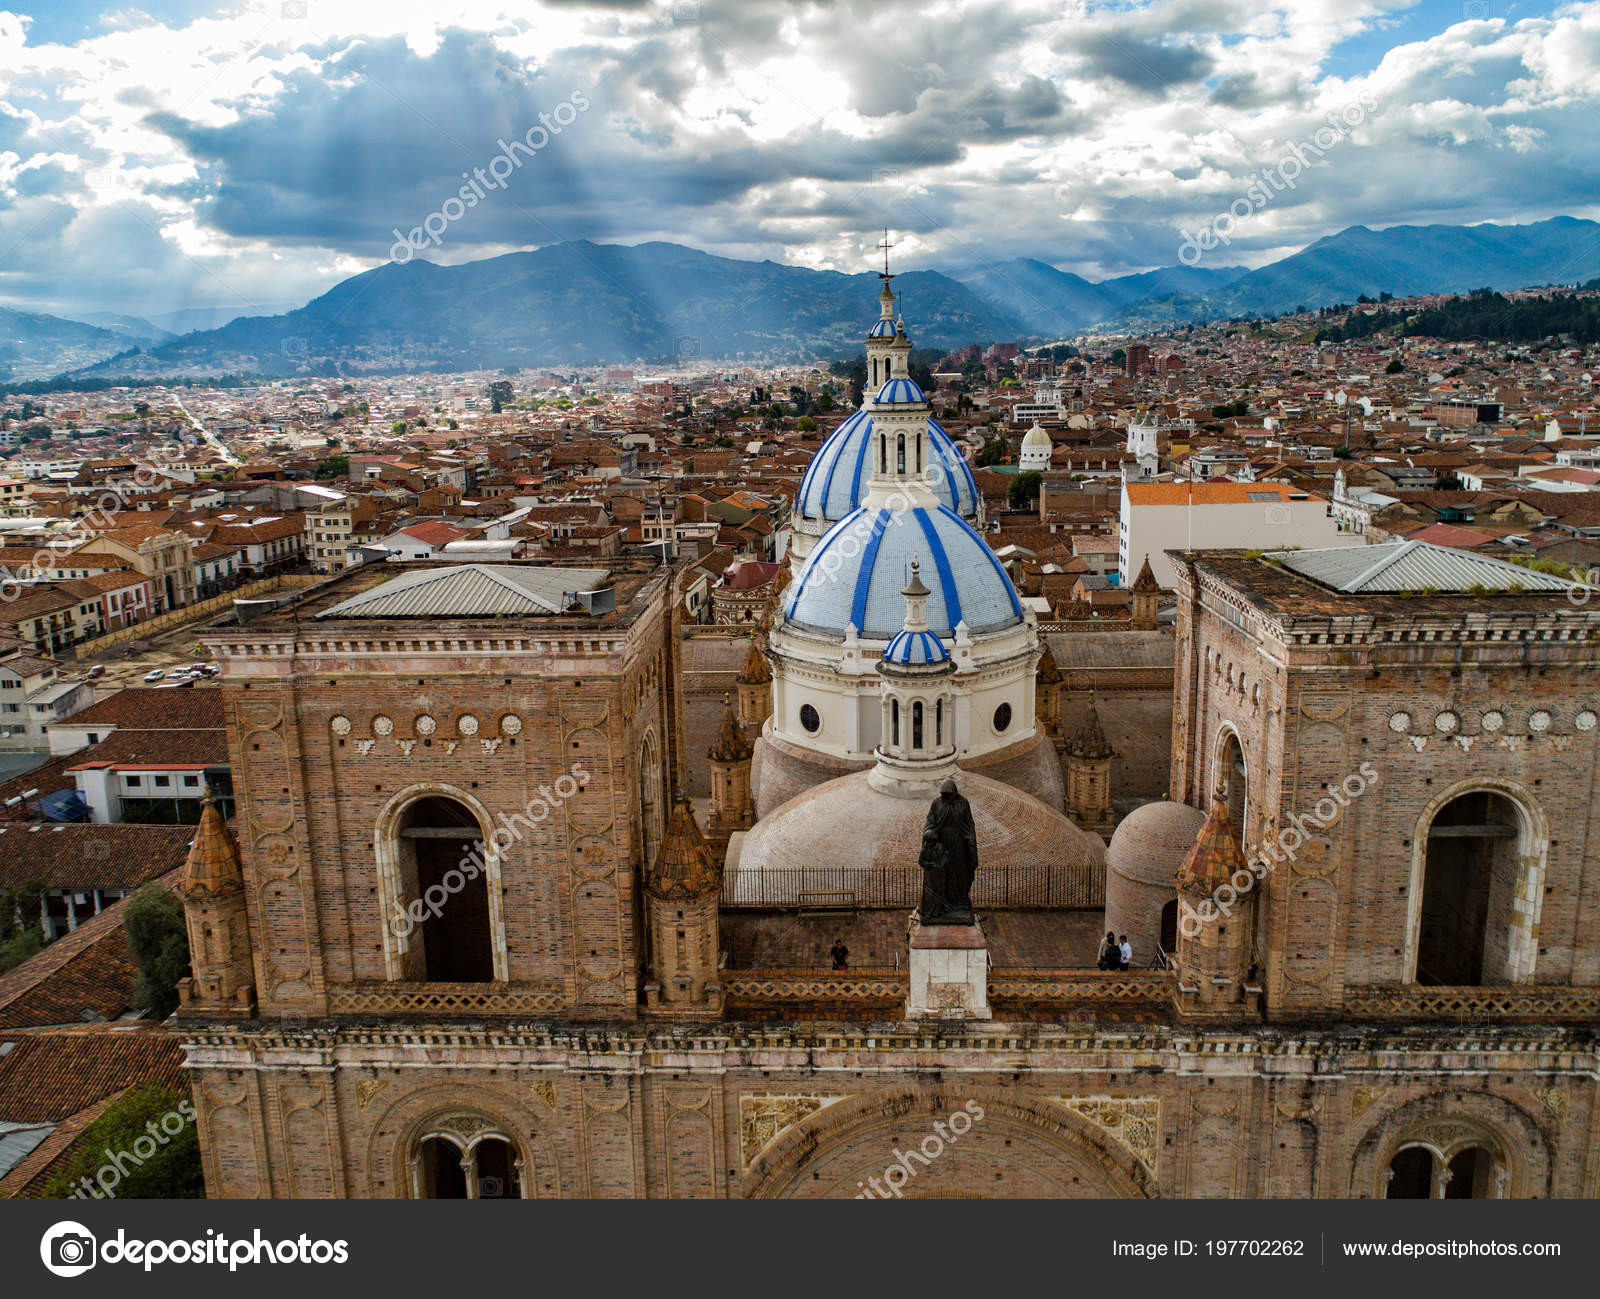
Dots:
{"x": 251, "y": 155}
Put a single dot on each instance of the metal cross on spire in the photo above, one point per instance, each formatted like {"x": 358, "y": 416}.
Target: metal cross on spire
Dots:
{"x": 886, "y": 246}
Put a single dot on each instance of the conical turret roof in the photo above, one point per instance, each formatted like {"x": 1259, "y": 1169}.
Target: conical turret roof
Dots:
{"x": 1090, "y": 741}
{"x": 731, "y": 743}
{"x": 755, "y": 671}
{"x": 213, "y": 868}
{"x": 684, "y": 869}
{"x": 1216, "y": 854}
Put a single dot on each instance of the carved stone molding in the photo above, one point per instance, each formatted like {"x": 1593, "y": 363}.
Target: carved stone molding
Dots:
{"x": 1133, "y": 1122}
{"x": 764, "y": 1117}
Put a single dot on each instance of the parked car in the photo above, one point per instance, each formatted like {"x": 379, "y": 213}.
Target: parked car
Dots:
{"x": 97, "y": 671}
{"x": 154, "y": 675}
{"x": 177, "y": 674}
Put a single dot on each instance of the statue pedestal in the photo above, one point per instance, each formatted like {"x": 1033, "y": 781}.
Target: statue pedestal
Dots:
{"x": 949, "y": 972}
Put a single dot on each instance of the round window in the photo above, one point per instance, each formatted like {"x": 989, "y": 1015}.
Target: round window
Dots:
{"x": 1002, "y": 717}
{"x": 809, "y": 719}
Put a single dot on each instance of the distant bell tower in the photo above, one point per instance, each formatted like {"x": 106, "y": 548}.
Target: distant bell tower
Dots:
{"x": 888, "y": 347}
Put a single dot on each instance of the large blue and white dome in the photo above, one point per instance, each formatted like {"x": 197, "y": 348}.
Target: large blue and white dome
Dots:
{"x": 882, "y": 329}
{"x": 855, "y": 573}
{"x": 835, "y": 481}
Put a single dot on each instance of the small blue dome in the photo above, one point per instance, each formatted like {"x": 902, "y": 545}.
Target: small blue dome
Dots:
{"x": 915, "y": 647}
{"x": 855, "y": 572}
{"x": 835, "y": 482}
{"x": 883, "y": 329}
{"x": 899, "y": 392}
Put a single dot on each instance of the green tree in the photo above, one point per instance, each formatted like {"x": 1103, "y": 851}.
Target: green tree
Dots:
{"x": 20, "y": 934}
{"x": 992, "y": 452}
{"x": 806, "y": 424}
{"x": 1024, "y": 490}
{"x": 333, "y": 467}
{"x": 159, "y": 942}
{"x": 499, "y": 393}
{"x": 399, "y": 428}
{"x": 143, "y": 1147}
{"x": 1394, "y": 367}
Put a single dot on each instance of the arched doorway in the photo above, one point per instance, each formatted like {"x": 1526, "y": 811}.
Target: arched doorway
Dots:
{"x": 1476, "y": 901}
{"x": 438, "y": 884}
{"x": 440, "y": 846}
{"x": 1169, "y": 927}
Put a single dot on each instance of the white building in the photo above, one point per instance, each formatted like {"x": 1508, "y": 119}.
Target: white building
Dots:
{"x": 1157, "y": 517}
{"x": 1036, "y": 449}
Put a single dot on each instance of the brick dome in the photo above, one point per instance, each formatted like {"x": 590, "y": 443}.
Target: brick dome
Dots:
{"x": 1153, "y": 841}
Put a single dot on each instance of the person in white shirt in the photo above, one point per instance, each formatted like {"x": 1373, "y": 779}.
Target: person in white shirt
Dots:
{"x": 1127, "y": 953}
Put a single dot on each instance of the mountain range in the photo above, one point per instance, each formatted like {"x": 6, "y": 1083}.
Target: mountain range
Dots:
{"x": 581, "y": 302}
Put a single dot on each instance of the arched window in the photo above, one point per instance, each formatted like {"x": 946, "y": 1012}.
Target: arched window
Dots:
{"x": 649, "y": 778}
{"x": 1422, "y": 1171}
{"x": 1169, "y": 927}
{"x": 918, "y": 441}
{"x": 916, "y": 725}
{"x": 874, "y": 372}
{"x": 1471, "y": 929}
{"x": 1233, "y": 780}
{"x": 883, "y": 453}
{"x": 448, "y": 1166}
{"x": 938, "y": 722}
{"x": 900, "y": 453}
{"x": 894, "y": 722}
{"x": 444, "y": 919}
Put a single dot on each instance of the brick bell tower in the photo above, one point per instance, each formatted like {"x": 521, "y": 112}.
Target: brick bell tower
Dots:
{"x": 732, "y": 807}
{"x": 1089, "y": 756}
{"x": 755, "y": 688}
{"x": 222, "y": 978}
{"x": 1215, "y": 924}
{"x": 683, "y": 894}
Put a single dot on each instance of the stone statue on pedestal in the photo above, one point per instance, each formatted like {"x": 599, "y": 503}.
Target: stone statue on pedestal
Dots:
{"x": 949, "y": 859}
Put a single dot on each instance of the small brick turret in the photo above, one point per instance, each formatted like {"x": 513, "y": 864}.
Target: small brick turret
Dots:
{"x": 1216, "y": 918}
{"x": 222, "y": 978}
{"x": 683, "y": 894}
{"x": 1089, "y": 756}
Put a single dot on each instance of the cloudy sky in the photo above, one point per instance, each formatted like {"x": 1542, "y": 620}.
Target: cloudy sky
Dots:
{"x": 250, "y": 155}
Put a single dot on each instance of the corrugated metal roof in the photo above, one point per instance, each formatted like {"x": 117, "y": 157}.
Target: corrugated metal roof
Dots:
{"x": 1414, "y": 566}
{"x": 473, "y": 591}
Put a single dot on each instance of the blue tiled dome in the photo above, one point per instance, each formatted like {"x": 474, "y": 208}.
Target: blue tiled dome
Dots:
{"x": 835, "y": 481}
{"x": 882, "y": 329}
{"x": 899, "y": 392}
{"x": 854, "y": 575}
{"x": 915, "y": 647}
